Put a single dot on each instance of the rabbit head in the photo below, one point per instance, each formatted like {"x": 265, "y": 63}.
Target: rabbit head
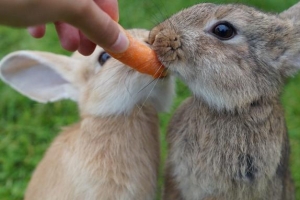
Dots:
{"x": 100, "y": 84}
{"x": 230, "y": 55}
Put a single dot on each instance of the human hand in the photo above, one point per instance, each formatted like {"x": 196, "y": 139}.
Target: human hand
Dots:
{"x": 80, "y": 24}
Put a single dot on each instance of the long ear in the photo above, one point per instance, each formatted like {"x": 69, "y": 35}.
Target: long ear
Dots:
{"x": 43, "y": 77}
{"x": 292, "y": 13}
{"x": 291, "y": 57}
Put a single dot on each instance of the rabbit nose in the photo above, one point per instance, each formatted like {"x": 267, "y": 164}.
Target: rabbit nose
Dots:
{"x": 167, "y": 39}
{"x": 175, "y": 42}
{"x": 167, "y": 45}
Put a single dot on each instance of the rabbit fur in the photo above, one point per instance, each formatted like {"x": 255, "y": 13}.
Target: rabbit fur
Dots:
{"x": 113, "y": 152}
{"x": 229, "y": 140}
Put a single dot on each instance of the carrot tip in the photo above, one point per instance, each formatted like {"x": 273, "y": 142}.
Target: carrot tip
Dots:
{"x": 140, "y": 57}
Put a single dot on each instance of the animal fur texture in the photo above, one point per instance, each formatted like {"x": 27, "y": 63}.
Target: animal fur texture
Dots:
{"x": 229, "y": 141}
{"x": 112, "y": 153}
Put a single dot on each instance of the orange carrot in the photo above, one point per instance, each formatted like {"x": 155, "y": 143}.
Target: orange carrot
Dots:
{"x": 140, "y": 57}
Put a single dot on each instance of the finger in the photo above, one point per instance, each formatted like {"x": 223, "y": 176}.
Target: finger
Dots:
{"x": 100, "y": 28}
{"x": 37, "y": 31}
{"x": 68, "y": 36}
{"x": 110, "y": 7}
{"x": 86, "y": 47}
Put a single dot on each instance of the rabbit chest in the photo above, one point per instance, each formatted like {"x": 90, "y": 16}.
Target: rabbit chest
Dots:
{"x": 214, "y": 152}
{"x": 108, "y": 158}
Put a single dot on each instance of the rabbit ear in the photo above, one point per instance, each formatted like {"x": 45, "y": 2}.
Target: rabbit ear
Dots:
{"x": 292, "y": 55}
{"x": 292, "y": 13}
{"x": 41, "y": 76}
{"x": 293, "y": 65}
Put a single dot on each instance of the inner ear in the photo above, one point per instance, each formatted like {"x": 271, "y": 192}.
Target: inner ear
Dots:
{"x": 35, "y": 78}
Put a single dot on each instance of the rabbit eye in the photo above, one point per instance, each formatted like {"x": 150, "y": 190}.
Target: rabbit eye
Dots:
{"x": 224, "y": 31}
{"x": 103, "y": 58}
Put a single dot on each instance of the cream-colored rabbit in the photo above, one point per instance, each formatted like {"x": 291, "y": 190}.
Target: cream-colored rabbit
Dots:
{"x": 113, "y": 152}
{"x": 229, "y": 141}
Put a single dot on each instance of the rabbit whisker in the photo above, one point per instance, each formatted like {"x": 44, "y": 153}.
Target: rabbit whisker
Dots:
{"x": 110, "y": 76}
{"x": 159, "y": 15}
{"x": 157, "y": 71}
{"x": 146, "y": 85}
{"x": 126, "y": 86}
{"x": 155, "y": 83}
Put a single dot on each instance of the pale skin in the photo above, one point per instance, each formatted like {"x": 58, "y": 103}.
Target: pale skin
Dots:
{"x": 80, "y": 24}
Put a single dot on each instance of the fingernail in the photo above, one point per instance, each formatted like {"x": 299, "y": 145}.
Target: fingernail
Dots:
{"x": 121, "y": 43}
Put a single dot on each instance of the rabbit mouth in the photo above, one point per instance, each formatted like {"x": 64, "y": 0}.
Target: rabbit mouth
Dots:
{"x": 166, "y": 72}
{"x": 167, "y": 44}
{"x": 168, "y": 51}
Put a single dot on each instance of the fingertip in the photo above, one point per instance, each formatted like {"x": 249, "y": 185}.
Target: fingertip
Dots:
{"x": 99, "y": 27}
{"x": 86, "y": 47}
{"x": 68, "y": 36}
{"x": 86, "y": 51}
{"x": 69, "y": 44}
{"x": 37, "y": 31}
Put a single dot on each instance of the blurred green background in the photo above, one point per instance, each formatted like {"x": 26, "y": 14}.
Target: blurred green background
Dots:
{"x": 27, "y": 127}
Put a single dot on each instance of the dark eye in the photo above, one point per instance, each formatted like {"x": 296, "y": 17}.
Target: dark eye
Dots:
{"x": 224, "y": 31}
{"x": 103, "y": 58}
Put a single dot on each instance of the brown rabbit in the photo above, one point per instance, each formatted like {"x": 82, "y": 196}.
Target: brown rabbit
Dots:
{"x": 229, "y": 141}
{"x": 113, "y": 152}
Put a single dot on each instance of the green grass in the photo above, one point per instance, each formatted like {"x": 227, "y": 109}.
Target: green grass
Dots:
{"x": 27, "y": 128}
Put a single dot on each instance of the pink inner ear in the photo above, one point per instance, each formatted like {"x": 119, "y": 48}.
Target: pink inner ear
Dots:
{"x": 35, "y": 79}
